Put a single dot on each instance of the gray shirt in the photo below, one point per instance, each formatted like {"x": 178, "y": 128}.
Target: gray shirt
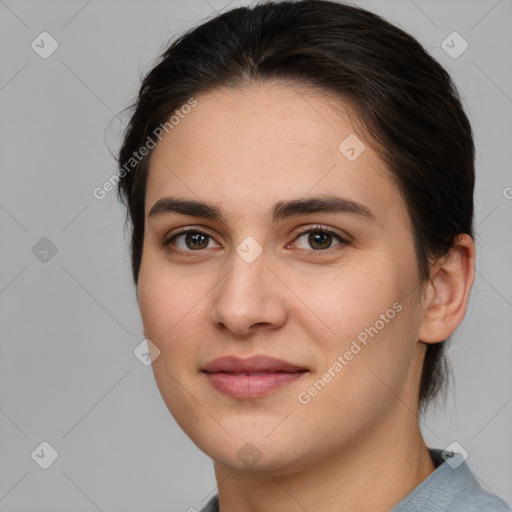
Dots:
{"x": 452, "y": 487}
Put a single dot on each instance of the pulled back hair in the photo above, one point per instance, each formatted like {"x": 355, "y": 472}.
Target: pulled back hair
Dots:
{"x": 404, "y": 99}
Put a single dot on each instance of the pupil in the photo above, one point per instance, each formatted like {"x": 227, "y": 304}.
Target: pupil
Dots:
{"x": 318, "y": 238}
{"x": 198, "y": 240}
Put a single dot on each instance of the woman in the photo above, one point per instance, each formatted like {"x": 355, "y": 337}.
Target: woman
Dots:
{"x": 300, "y": 190}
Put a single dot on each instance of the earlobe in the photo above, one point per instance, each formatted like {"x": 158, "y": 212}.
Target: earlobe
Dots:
{"x": 447, "y": 292}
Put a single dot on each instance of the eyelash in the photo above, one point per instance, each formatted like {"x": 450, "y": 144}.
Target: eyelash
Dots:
{"x": 312, "y": 229}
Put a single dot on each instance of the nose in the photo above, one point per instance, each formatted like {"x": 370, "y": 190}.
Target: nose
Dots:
{"x": 248, "y": 298}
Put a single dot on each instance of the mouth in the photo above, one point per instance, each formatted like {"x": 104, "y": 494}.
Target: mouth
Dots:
{"x": 253, "y": 377}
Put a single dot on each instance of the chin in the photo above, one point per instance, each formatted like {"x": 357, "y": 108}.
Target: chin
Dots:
{"x": 251, "y": 449}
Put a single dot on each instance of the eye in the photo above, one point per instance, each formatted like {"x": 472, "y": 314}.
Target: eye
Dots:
{"x": 319, "y": 238}
{"x": 189, "y": 240}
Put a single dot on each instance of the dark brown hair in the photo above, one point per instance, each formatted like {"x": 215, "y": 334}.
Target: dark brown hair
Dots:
{"x": 404, "y": 99}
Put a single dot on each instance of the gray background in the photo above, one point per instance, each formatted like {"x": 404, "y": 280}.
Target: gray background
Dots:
{"x": 69, "y": 324}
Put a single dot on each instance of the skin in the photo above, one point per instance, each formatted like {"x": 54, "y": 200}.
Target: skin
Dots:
{"x": 357, "y": 444}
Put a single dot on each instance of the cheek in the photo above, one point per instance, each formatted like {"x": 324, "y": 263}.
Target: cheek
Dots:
{"x": 174, "y": 310}
{"x": 163, "y": 295}
{"x": 347, "y": 300}
{"x": 366, "y": 317}
{"x": 170, "y": 314}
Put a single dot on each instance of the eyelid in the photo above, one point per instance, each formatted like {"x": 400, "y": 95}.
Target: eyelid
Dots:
{"x": 321, "y": 227}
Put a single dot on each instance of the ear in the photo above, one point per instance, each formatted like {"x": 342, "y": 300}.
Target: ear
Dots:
{"x": 447, "y": 292}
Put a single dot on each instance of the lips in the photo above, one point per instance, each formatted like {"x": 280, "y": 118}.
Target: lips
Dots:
{"x": 253, "y": 377}
{"x": 255, "y": 364}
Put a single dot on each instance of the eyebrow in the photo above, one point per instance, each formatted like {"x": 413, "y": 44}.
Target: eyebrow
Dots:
{"x": 281, "y": 210}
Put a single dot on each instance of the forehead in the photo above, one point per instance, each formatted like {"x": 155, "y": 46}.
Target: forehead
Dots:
{"x": 249, "y": 148}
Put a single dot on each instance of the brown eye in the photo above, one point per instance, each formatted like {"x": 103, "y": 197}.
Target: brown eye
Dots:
{"x": 189, "y": 241}
{"x": 319, "y": 239}
{"x": 196, "y": 240}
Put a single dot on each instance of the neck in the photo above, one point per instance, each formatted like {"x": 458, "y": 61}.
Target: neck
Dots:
{"x": 375, "y": 473}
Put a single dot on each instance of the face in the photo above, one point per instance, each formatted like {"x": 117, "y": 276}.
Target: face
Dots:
{"x": 293, "y": 262}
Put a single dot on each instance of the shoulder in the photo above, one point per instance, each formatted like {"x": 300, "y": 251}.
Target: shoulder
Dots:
{"x": 452, "y": 487}
{"x": 479, "y": 500}
{"x": 469, "y": 496}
